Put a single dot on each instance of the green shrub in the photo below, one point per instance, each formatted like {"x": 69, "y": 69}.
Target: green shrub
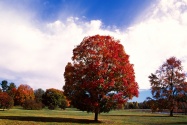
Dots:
{"x": 63, "y": 104}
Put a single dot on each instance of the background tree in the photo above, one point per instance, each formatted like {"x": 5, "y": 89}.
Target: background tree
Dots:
{"x": 54, "y": 98}
{"x": 131, "y": 105}
{"x": 6, "y": 101}
{"x": 4, "y": 85}
{"x": 143, "y": 105}
{"x": 100, "y": 77}
{"x": 24, "y": 92}
{"x": 38, "y": 94}
{"x": 9, "y": 88}
{"x": 12, "y": 90}
{"x": 136, "y": 105}
{"x": 168, "y": 84}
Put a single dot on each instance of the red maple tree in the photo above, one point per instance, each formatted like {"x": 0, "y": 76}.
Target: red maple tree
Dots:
{"x": 100, "y": 77}
{"x": 169, "y": 84}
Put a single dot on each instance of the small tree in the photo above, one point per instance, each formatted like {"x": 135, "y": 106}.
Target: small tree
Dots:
{"x": 38, "y": 94}
{"x": 12, "y": 90}
{"x": 24, "y": 92}
{"x": 4, "y": 85}
{"x": 53, "y": 98}
{"x": 100, "y": 77}
{"x": 6, "y": 101}
{"x": 168, "y": 84}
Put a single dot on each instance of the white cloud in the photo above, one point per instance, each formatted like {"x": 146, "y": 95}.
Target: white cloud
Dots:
{"x": 160, "y": 35}
{"x": 37, "y": 53}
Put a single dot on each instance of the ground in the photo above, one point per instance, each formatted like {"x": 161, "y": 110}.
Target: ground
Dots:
{"x": 18, "y": 116}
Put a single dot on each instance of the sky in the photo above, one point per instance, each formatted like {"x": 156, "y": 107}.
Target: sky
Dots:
{"x": 37, "y": 36}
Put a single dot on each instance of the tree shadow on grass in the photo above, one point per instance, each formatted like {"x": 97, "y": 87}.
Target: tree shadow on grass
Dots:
{"x": 49, "y": 119}
{"x": 180, "y": 123}
{"x": 176, "y": 123}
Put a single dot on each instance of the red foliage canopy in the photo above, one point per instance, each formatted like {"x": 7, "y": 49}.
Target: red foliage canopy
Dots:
{"x": 100, "y": 76}
{"x": 24, "y": 92}
{"x": 6, "y": 101}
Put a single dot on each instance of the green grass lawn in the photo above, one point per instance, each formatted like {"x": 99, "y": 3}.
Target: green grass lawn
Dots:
{"x": 18, "y": 116}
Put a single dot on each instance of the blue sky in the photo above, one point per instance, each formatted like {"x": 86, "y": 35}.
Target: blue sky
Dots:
{"x": 110, "y": 12}
{"x": 37, "y": 36}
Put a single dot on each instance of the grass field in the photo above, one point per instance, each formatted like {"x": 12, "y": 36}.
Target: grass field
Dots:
{"x": 18, "y": 116}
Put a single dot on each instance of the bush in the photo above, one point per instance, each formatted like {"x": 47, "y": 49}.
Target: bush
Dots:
{"x": 32, "y": 105}
{"x": 6, "y": 101}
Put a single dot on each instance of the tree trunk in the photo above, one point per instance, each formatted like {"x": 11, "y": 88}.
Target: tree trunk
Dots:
{"x": 171, "y": 112}
{"x": 96, "y": 116}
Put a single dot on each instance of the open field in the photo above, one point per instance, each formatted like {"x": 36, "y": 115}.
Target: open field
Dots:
{"x": 18, "y": 116}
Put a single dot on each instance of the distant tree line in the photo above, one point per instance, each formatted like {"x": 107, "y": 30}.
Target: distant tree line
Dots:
{"x": 137, "y": 105}
{"x": 30, "y": 99}
{"x": 155, "y": 106}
